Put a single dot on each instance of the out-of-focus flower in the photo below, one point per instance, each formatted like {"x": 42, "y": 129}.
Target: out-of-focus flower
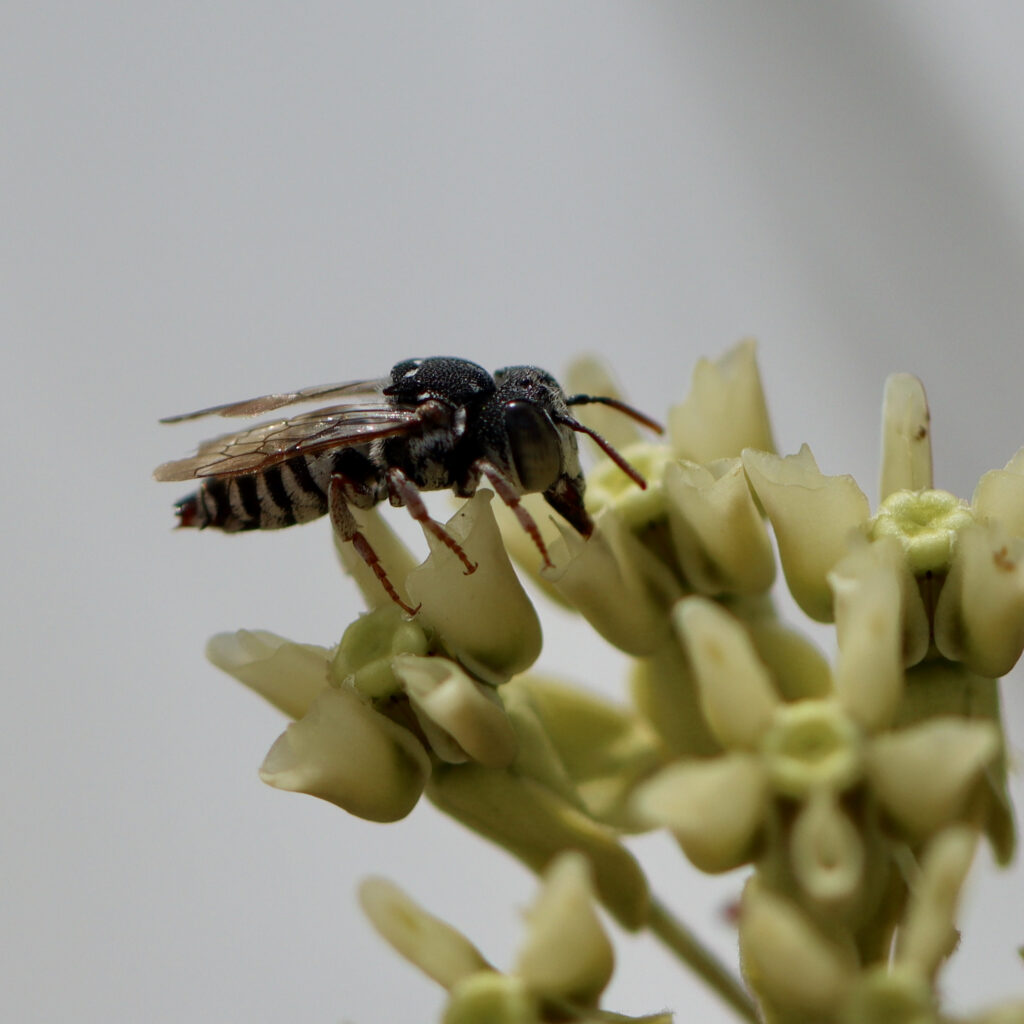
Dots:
{"x": 798, "y": 966}
{"x": 582, "y": 746}
{"x": 813, "y": 751}
{"x": 564, "y": 962}
{"x": 535, "y": 823}
{"x": 616, "y": 584}
{"x": 787, "y": 961}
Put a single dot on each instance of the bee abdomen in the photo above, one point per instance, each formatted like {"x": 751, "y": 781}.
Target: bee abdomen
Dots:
{"x": 280, "y": 496}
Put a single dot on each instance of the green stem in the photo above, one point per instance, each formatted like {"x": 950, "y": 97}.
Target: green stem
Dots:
{"x": 674, "y": 934}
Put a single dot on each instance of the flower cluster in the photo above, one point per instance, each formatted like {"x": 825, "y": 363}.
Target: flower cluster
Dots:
{"x": 854, "y": 788}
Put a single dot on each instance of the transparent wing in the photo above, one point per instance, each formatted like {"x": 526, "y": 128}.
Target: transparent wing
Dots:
{"x": 268, "y": 403}
{"x": 256, "y": 449}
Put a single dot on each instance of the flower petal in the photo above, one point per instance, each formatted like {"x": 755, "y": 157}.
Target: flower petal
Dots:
{"x": 999, "y": 496}
{"x": 434, "y": 946}
{"x": 924, "y": 775}
{"x": 906, "y": 437}
{"x": 813, "y": 516}
{"x": 826, "y": 851}
{"x": 868, "y": 613}
{"x": 287, "y": 674}
{"x": 717, "y": 530}
{"x": 604, "y": 748}
{"x": 605, "y": 578}
{"x": 485, "y": 618}
{"x": 736, "y": 692}
{"x": 468, "y": 711}
{"x": 725, "y": 411}
{"x": 344, "y": 752}
{"x": 491, "y": 999}
{"x": 979, "y": 619}
{"x": 928, "y": 934}
{"x": 567, "y": 954}
{"x": 714, "y": 807}
{"x": 588, "y": 375}
{"x": 786, "y": 960}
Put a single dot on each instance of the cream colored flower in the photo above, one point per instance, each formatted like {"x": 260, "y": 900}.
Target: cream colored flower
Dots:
{"x": 581, "y": 746}
{"x": 812, "y": 751}
{"x": 564, "y": 962}
{"x": 968, "y": 560}
{"x": 787, "y": 961}
{"x": 725, "y": 411}
{"x": 371, "y": 715}
{"x": 460, "y": 610}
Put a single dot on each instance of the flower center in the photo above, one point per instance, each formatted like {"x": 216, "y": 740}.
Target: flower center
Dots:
{"x": 925, "y": 523}
{"x": 811, "y": 745}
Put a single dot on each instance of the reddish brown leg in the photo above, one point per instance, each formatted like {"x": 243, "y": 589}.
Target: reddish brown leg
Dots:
{"x": 408, "y": 494}
{"x": 348, "y": 530}
{"x": 508, "y": 494}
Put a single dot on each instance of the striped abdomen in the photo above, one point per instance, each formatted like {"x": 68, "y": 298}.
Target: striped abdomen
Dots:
{"x": 291, "y": 492}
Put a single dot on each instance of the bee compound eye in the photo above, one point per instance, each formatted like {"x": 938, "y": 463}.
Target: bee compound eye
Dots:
{"x": 535, "y": 444}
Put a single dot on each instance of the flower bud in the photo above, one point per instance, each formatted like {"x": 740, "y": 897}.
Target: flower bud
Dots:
{"x": 464, "y": 609}
{"x": 714, "y": 807}
{"x": 432, "y": 945}
{"x": 343, "y": 751}
{"x": 736, "y": 692}
{"x": 813, "y": 516}
{"x": 725, "y": 411}
{"x": 717, "y": 531}
{"x": 906, "y": 436}
{"x": 567, "y": 954}
{"x": 290, "y": 676}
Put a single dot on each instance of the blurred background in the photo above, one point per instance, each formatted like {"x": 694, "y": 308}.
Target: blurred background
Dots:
{"x": 202, "y": 202}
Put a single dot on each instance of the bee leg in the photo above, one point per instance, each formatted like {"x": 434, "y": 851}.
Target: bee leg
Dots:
{"x": 347, "y": 529}
{"x": 506, "y": 490}
{"x": 407, "y": 493}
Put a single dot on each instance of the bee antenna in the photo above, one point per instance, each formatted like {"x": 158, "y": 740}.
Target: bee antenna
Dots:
{"x": 614, "y": 403}
{"x": 607, "y": 449}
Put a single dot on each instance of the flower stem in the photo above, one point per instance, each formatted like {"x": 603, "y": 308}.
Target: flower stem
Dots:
{"x": 674, "y": 934}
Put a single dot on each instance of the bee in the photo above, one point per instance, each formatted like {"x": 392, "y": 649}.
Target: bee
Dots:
{"x": 433, "y": 424}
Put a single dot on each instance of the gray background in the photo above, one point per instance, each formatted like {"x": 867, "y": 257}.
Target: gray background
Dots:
{"x": 202, "y": 201}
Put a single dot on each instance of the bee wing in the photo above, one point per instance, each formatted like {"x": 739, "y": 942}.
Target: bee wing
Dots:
{"x": 268, "y": 403}
{"x": 256, "y": 449}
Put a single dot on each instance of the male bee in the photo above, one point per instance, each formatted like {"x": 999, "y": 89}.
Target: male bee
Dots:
{"x": 434, "y": 424}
